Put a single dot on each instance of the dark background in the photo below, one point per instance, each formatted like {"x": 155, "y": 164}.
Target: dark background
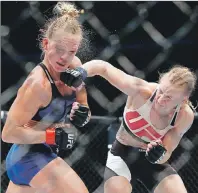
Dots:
{"x": 20, "y": 46}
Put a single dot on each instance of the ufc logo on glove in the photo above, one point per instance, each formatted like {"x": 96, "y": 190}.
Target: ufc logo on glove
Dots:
{"x": 71, "y": 139}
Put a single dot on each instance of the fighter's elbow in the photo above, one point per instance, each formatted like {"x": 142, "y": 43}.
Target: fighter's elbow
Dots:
{"x": 6, "y": 137}
{"x": 101, "y": 67}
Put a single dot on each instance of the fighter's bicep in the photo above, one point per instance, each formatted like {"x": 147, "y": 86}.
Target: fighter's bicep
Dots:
{"x": 171, "y": 140}
{"x": 174, "y": 136}
{"x": 184, "y": 122}
{"x": 132, "y": 85}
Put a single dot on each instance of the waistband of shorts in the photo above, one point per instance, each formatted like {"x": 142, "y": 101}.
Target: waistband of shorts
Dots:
{"x": 117, "y": 146}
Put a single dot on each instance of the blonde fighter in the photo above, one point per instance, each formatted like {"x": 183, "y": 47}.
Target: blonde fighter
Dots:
{"x": 47, "y": 95}
{"x": 155, "y": 118}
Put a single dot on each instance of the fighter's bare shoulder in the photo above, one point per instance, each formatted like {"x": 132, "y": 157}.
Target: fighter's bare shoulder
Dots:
{"x": 185, "y": 118}
{"x": 37, "y": 84}
{"x": 38, "y": 78}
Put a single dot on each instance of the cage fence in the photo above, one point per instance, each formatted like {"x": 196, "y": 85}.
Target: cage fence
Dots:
{"x": 114, "y": 34}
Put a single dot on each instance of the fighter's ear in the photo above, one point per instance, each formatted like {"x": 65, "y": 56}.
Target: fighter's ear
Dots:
{"x": 45, "y": 43}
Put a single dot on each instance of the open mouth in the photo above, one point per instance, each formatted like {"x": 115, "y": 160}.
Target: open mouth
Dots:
{"x": 60, "y": 64}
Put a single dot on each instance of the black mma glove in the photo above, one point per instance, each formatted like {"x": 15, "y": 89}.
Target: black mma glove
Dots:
{"x": 58, "y": 136}
{"x": 155, "y": 154}
{"x": 74, "y": 77}
{"x": 80, "y": 114}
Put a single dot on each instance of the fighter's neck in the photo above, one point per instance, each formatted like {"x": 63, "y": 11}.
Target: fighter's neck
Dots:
{"x": 55, "y": 75}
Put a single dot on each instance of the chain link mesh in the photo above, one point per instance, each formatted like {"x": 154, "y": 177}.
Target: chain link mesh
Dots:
{"x": 133, "y": 36}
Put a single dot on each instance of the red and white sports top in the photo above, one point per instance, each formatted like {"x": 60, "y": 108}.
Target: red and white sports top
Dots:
{"x": 137, "y": 123}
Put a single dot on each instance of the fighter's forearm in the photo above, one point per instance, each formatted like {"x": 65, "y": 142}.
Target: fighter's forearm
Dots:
{"x": 23, "y": 135}
{"x": 165, "y": 158}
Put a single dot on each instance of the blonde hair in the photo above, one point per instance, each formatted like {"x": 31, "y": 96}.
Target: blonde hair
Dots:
{"x": 65, "y": 18}
{"x": 182, "y": 76}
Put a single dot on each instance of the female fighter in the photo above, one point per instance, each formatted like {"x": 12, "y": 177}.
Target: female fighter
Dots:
{"x": 38, "y": 116}
{"x": 155, "y": 118}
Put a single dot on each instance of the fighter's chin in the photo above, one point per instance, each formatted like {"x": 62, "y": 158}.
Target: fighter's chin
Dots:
{"x": 61, "y": 67}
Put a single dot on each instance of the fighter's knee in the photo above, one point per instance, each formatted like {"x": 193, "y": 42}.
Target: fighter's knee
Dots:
{"x": 117, "y": 184}
{"x": 171, "y": 183}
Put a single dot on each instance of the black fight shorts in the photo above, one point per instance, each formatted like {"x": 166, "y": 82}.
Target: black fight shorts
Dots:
{"x": 131, "y": 163}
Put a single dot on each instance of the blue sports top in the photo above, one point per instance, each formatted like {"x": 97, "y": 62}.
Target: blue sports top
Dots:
{"x": 59, "y": 106}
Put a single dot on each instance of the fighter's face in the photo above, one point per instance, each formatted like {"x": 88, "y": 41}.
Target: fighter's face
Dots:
{"x": 61, "y": 51}
{"x": 169, "y": 95}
